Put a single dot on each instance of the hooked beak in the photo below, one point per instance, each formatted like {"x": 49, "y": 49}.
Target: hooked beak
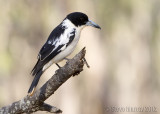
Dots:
{"x": 93, "y": 24}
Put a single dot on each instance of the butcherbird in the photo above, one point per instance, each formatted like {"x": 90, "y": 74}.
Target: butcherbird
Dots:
{"x": 60, "y": 43}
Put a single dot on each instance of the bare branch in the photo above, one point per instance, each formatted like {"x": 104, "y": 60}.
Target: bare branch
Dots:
{"x": 49, "y": 108}
{"x": 35, "y": 103}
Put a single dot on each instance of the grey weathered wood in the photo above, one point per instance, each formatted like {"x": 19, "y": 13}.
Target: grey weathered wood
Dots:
{"x": 34, "y": 103}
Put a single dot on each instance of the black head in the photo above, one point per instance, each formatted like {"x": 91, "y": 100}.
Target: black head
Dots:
{"x": 78, "y": 18}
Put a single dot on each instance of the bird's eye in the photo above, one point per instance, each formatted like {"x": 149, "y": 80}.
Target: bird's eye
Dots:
{"x": 81, "y": 19}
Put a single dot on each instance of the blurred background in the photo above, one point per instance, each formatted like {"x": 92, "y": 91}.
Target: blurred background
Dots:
{"x": 124, "y": 55}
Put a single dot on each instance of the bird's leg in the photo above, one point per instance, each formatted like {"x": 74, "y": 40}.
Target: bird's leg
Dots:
{"x": 67, "y": 59}
{"x": 58, "y": 65}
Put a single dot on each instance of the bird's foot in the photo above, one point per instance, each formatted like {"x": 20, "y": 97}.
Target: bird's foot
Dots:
{"x": 67, "y": 59}
{"x": 58, "y": 65}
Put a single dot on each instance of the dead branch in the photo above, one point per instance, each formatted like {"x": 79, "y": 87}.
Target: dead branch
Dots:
{"x": 34, "y": 103}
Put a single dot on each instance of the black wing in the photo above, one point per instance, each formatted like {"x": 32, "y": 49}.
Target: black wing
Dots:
{"x": 49, "y": 46}
{"x": 50, "y": 50}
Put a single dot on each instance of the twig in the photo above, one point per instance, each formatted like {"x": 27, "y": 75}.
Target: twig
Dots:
{"x": 85, "y": 61}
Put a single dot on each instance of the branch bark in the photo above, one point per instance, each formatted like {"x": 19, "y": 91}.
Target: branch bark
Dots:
{"x": 34, "y": 103}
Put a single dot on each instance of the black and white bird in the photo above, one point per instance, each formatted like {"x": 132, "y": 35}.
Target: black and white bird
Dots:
{"x": 60, "y": 43}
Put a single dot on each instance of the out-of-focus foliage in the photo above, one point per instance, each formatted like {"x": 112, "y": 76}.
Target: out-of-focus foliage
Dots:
{"x": 124, "y": 56}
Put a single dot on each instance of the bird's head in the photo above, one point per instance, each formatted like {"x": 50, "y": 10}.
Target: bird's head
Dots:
{"x": 81, "y": 20}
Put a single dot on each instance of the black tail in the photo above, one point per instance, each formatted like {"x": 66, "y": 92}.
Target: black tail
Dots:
{"x": 37, "y": 68}
{"x": 35, "y": 82}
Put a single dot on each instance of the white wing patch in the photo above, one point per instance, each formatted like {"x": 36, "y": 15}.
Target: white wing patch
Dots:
{"x": 54, "y": 42}
{"x": 49, "y": 42}
{"x": 64, "y": 38}
{"x": 71, "y": 33}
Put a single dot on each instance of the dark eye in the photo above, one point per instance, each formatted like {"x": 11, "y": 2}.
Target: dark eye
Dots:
{"x": 81, "y": 19}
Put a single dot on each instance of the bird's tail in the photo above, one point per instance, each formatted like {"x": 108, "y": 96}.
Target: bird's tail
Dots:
{"x": 34, "y": 83}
